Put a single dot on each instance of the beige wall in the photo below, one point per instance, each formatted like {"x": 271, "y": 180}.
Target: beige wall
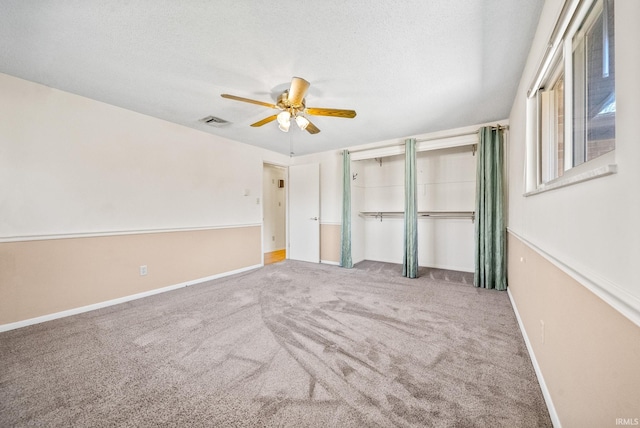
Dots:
{"x": 590, "y": 354}
{"x": 330, "y": 242}
{"x": 43, "y": 277}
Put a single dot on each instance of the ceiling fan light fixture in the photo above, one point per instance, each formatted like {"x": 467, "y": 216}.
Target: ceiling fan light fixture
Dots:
{"x": 283, "y": 118}
{"x": 284, "y": 127}
{"x": 302, "y": 122}
{"x": 292, "y": 105}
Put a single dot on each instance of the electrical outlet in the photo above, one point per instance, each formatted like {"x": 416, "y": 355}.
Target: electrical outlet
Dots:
{"x": 143, "y": 270}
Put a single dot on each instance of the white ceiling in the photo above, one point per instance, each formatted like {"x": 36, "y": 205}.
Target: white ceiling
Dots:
{"x": 407, "y": 67}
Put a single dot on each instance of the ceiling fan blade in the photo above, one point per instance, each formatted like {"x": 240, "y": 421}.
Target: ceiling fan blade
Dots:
{"x": 312, "y": 129}
{"x": 297, "y": 91}
{"x": 333, "y": 112}
{"x": 265, "y": 120}
{"x": 247, "y": 100}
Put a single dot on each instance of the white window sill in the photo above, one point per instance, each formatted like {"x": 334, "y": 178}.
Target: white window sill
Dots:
{"x": 602, "y": 171}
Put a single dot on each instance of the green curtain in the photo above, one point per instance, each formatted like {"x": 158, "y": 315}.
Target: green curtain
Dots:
{"x": 410, "y": 259}
{"x": 490, "y": 257}
{"x": 345, "y": 233}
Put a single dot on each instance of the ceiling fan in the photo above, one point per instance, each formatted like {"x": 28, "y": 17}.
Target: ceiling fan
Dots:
{"x": 291, "y": 104}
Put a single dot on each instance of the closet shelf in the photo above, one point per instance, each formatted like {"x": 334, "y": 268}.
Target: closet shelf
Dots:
{"x": 421, "y": 214}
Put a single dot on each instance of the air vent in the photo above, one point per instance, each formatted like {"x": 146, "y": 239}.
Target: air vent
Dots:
{"x": 214, "y": 121}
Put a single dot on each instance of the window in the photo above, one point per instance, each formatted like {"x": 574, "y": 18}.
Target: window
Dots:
{"x": 575, "y": 90}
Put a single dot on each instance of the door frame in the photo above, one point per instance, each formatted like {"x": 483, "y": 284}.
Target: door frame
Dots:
{"x": 286, "y": 207}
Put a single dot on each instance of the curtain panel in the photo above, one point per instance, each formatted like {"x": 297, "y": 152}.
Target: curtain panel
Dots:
{"x": 490, "y": 247}
{"x": 410, "y": 259}
{"x": 345, "y": 230}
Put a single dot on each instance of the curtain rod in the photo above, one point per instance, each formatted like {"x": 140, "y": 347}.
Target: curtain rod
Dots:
{"x": 464, "y": 134}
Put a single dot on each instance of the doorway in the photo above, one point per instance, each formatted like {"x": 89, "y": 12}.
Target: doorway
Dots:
{"x": 274, "y": 217}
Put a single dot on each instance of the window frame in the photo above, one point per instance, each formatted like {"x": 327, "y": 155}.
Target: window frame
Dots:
{"x": 558, "y": 62}
{"x": 547, "y": 130}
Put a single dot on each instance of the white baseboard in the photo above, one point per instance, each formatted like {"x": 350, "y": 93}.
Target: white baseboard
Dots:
{"x": 329, "y": 262}
{"x": 75, "y": 311}
{"x": 543, "y": 386}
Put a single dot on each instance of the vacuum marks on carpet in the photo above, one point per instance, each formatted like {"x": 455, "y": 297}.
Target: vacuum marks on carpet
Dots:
{"x": 292, "y": 344}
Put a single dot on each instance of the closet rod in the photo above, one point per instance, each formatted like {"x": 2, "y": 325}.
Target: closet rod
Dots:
{"x": 463, "y": 134}
{"x": 431, "y": 214}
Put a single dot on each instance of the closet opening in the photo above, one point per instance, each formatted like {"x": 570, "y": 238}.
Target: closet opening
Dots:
{"x": 446, "y": 186}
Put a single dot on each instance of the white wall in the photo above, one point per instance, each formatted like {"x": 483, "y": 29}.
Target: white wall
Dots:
{"x": 274, "y": 203}
{"x": 590, "y": 229}
{"x": 71, "y": 165}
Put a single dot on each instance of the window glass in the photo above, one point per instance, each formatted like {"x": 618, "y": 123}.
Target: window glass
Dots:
{"x": 594, "y": 98}
{"x": 552, "y": 126}
{"x": 558, "y": 90}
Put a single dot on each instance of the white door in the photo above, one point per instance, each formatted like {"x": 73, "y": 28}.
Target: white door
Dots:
{"x": 304, "y": 212}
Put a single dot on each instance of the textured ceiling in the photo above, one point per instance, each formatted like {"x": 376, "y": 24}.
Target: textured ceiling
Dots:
{"x": 407, "y": 67}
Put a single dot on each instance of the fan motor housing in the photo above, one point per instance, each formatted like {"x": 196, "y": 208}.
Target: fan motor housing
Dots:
{"x": 283, "y": 102}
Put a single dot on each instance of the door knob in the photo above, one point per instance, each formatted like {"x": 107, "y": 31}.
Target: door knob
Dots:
{"x": 314, "y": 218}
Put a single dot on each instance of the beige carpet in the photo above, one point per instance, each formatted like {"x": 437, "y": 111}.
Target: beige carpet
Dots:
{"x": 289, "y": 345}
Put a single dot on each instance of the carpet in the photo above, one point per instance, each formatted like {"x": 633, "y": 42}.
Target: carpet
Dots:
{"x": 291, "y": 344}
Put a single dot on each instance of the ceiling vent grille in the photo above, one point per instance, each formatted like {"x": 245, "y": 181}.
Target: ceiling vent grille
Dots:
{"x": 214, "y": 121}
